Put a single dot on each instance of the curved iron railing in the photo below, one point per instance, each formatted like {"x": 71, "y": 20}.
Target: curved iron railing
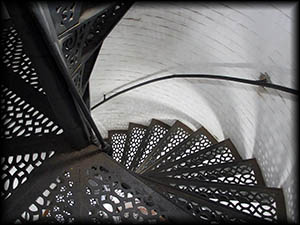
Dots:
{"x": 262, "y": 83}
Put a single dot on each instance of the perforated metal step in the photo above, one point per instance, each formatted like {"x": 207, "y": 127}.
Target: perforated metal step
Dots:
{"x": 16, "y": 170}
{"x": 15, "y": 58}
{"x": 260, "y": 202}
{"x": 92, "y": 187}
{"x": 205, "y": 211}
{"x": 223, "y": 152}
{"x": 177, "y": 134}
{"x": 246, "y": 172}
{"x": 135, "y": 135}
{"x": 155, "y": 132}
{"x": 198, "y": 141}
{"x": 117, "y": 140}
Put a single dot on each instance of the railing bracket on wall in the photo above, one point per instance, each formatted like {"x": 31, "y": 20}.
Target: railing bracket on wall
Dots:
{"x": 265, "y": 78}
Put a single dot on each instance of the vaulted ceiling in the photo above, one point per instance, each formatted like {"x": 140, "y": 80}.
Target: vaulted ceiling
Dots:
{"x": 241, "y": 40}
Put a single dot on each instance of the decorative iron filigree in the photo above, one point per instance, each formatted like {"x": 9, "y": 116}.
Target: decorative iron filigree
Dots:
{"x": 56, "y": 204}
{"x": 15, "y": 170}
{"x": 243, "y": 173}
{"x": 72, "y": 46}
{"x": 215, "y": 155}
{"x": 175, "y": 136}
{"x": 198, "y": 141}
{"x": 102, "y": 24}
{"x": 20, "y": 119}
{"x": 15, "y": 58}
{"x": 96, "y": 189}
{"x": 156, "y": 133}
{"x": 203, "y": 210}
{"x": 256, "y": 201}
{"x": 113, "y": 201}
{"x": 64, "y": 14}
{"x": 135, "y": 138}
{"x": 117, "y": 141}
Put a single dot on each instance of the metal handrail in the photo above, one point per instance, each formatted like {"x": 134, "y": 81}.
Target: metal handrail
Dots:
{"x": 262, "y": 83}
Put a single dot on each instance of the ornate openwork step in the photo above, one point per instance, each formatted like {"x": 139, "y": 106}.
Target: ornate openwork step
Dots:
{"x": 177, "y": 134}
{"x": 16, "y": 170}
{"x": 91, "y": 187}
{"x": 245, "y": 172}
{"x": 202, "y": 209}
{"x": 15, "y": 58}
{"x": 198, "y": 141}
{"x": 155, "y": 132}
{"x": 261, "y": 202}
{"x": 135, "y": 135}
{"x": 117, "y": 140}
{"x": 223, "y": 152}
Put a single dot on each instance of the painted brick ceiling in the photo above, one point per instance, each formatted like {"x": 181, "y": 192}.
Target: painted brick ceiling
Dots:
{"x": 242, "y": 40}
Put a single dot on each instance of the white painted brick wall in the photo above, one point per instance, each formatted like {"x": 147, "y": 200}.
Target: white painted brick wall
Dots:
{"x": 156, "y": 39}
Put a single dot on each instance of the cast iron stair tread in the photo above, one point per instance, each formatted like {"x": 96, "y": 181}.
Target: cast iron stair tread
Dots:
{"x": 155, "y": 132}
{"x": 135, "y": 135}
{"x": 246, "y": 172}
{"x": 17, "y": 169}
{"x": 197, "y": 142}
{"x": 146, "y": 201}
{"x": 74, "y": 193}
{"x": 222, "y": 152}
{"x": 262, "y": 202}
{"x": 202, "y": 209}
{"x": 117, "y": 140}
{"x": 177, "y": 133}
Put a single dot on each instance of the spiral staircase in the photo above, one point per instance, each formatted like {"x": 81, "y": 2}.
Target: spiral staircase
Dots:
{"x": 56, "y": 167}
{"x": 205, "y": 180}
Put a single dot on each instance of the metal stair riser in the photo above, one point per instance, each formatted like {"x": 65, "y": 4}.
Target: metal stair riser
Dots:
{"x": 135, "y": 135}
{"x": 261, "y": 202}
{"x": 198, "y": 141}
{"x": 156, "y": 131}
{"x": 244, "y": 172}
{"x": 223, "y": 152}
{"x": 117, "y": 139}
{"x": 177, "y": 134}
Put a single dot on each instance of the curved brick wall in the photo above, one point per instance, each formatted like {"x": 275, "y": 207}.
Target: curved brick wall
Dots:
{"x": 241, "y": 40}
